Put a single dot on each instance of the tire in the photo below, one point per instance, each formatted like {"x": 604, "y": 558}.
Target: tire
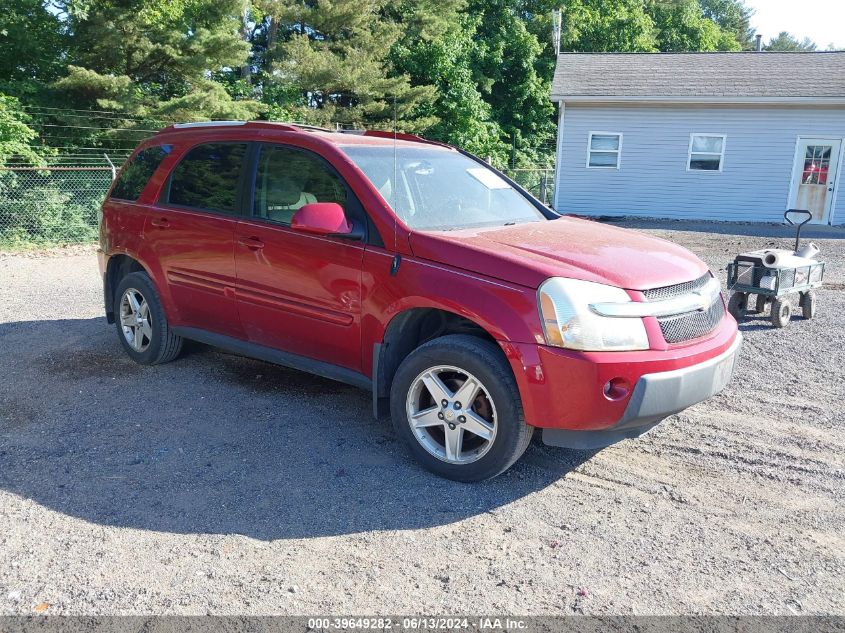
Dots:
{"x": 808, "y": 304}
{"x": 496, "y": 402}
{"x": 781, "y": 312}
{"x": 156, "y": 343}
{"x": 738, "y": 305}
{"x": 760, "y": 305}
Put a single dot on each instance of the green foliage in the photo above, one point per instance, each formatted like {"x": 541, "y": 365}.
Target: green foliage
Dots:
{"x": 463, "y": 116}
{"x": 607, "y": 26}
{"x": 682, "y": 26}
{"x": 15, "y": 135}
{"x": 30, "y": 47}
{"x": 734, "y": 17}
{"x": 506, "y": 57}
{"x": 153, "y": 57}
{"x": 786, "y": 43}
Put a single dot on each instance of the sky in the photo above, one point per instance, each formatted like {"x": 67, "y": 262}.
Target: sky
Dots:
{"x": 823, "y": 21}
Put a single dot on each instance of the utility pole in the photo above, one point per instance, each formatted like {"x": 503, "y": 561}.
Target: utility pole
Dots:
{"x": 557, "y": 21}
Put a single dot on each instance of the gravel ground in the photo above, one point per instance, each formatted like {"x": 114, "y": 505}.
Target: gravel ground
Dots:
{"x": 218, "y": 484}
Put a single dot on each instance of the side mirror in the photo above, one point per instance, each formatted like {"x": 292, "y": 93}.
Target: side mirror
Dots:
{"x": 321, "y": 218}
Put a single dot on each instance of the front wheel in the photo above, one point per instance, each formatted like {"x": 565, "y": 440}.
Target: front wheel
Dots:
{"x": 455, "y": 403}
{"x": 738, "y": 305}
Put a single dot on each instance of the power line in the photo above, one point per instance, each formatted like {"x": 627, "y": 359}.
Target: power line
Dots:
{"x": 105, "y": 129}
{"x": 96, "y": 116}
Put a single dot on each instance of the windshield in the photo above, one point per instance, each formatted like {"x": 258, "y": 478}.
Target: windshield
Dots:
{"x": 438, "y": 189}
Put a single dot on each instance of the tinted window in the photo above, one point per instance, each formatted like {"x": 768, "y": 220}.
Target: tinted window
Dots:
{"x": 207, "y": 177}
{"x": 138, "y": 172}
{"x": 288, "y": 179}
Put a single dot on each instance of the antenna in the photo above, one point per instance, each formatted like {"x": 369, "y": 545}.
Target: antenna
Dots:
{"x": 395, "y": 185}
{"x": 557, "y": 22}
{"x": 394, "y": 268}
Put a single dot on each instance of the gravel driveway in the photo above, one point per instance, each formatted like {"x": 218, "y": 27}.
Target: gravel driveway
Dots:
{"x": 218, "y": 484}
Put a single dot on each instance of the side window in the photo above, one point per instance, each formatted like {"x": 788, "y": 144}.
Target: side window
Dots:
{"x": 288, "y": 179}
{"x": 207, "y": 177}
{"x": 706, "y": 152}
{"x": 138, "y": 172}
{"x": 604, "y": 150}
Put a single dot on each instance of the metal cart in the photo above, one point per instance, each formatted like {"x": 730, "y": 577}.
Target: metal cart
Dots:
{"x": 747, "y": 276}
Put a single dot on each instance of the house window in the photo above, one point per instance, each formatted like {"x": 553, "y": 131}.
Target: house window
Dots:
{"x": 706, "y": 152}
{"x": 604, "y": 150}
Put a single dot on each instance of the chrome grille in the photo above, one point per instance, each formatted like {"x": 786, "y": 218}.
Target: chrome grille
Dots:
{"x": 691, "y": 325}
{"x": 669, "y": 292}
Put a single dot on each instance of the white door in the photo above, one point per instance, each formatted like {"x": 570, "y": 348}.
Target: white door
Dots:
{"x": 813, "y": 177}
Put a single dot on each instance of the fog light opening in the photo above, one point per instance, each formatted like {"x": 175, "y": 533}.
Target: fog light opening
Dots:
{"x": 617, "y": 389}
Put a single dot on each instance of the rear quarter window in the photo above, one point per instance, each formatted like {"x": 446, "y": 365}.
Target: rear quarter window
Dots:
{"x": 138, "y": 172}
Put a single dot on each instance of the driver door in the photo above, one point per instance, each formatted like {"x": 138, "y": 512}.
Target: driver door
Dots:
{"x": 297, "y": 292}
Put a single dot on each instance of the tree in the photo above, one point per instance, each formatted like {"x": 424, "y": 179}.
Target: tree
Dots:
{"x": 734, "y": 17}
{"x": 683, "y": 26}
{"x": 15, "y": 134}
{"x": 337, "y": 56}
{"x": 153, "y": 57}
{"x": 607, "y": 26}
{"x": 786, "y": 43}
{"x": 31, "y": 47}
{"x": 505, "y": 67}
{"x": 464, "y": 118}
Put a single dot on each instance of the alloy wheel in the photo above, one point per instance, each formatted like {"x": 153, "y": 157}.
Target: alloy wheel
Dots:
{"x": 135, "y": 320}
{"x": 451, "y": 414}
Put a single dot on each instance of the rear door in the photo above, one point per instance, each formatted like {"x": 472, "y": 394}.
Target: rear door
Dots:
{"x": 192, "y": 235}
{"x": 296, "y": 292}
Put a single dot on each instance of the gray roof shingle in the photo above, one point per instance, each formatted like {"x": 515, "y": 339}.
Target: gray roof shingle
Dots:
{"x": 709, "y": 76}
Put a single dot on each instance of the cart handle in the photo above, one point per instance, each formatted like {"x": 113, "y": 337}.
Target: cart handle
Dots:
{"x": 799, "y": 225}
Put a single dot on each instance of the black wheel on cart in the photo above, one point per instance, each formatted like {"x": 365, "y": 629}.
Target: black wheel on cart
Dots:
{"x": 781, "y": 311}
{"x": 760, "y": 305}
{"x": 808, "y": 304}
{"x": 738, "y": 305}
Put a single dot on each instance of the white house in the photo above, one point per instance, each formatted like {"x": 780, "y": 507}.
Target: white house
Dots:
{"x": 719, "y": 136}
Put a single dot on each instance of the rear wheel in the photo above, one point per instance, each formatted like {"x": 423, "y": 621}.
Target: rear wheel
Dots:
{"x": 141, "y": 323}
{"x": 455, "y": 403}
{"x": 808, "y": 304}
{"x": 760, "y": 306}
{"x": 738, "y": 305}
{"x": 781, "y": 311}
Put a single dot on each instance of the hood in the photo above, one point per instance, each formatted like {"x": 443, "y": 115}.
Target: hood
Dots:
{"x": 530, "y": 253}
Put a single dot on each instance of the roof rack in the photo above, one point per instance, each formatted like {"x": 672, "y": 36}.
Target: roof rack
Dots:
{"x": 261, "y": 124}
{"x": 180, "y": 126}
{"x": 293, "y": 127}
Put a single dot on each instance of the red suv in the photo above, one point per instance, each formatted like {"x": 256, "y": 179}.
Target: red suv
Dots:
{"x": 416, "y": 271}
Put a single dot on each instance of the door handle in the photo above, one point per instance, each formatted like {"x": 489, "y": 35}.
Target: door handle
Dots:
{"x": 252, "y": 243}
{"x": 161, "y": 223}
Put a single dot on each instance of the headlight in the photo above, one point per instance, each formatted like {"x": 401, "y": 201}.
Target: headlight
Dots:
{"x": 569, "y": 322}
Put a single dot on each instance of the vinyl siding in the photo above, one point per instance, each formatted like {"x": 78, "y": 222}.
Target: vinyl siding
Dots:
{"x": 653, "y": 180}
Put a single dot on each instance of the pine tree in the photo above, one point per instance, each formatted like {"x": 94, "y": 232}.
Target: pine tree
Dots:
{"x": 337, "y": 56}
{"x": 152, "y": 58}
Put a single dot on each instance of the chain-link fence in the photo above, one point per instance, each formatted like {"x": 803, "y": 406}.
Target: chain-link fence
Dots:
{"x": 540, "y": 182}
{"x": 53, "y": 205}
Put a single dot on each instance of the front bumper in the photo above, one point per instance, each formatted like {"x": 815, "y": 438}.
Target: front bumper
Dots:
{"x": 655, "y": 397}
{"x": 564, "y": 389}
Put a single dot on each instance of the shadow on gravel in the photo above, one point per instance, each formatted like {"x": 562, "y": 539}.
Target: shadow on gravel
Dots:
{"x": 216, "y": 444}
